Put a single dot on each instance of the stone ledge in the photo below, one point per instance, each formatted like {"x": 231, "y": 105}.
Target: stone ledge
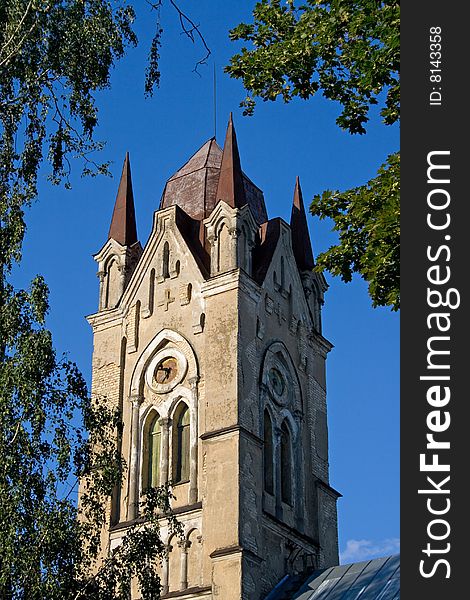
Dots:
{"x": 228, "y": 551}
{"x": 231, "y": 429}
{"x": 221, "y": 552}
{"x": 328, "y": 489}
{"x": 194, "y": 592}
{"x": 176, "y": 511}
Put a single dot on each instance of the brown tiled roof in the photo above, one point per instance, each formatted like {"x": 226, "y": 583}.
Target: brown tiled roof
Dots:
{"x": 301, "y": 244}
{"x": 123, "y": 226}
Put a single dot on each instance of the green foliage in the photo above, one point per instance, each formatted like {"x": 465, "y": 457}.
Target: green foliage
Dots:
{"x": 367, "y": 219}
{"x": 136, "y": 558}
{"x": 54, "y": 55}
{"x": 348, "y": 50}
{"x": 51, "y": 436}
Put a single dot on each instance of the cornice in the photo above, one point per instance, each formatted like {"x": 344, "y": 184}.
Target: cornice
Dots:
{"x": 106, "y": 318}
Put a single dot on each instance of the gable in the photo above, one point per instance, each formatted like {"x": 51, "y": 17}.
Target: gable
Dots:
{"x": 282, "y": 280}
{"x": 167, "y": 257}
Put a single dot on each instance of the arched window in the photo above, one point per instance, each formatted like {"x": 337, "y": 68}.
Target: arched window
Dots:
{"x": 113, "y": 283}
{"x": 268, "y": 454}
{"x": 224, "y": 249}
{"x": 194, "y": 559}
{"x": 286, "y": 464}
{"x": 166, "y": 260}
{"x": 154, "y": 442}
{"x": 174, "y": 564}
{"x": 181, "y": 444}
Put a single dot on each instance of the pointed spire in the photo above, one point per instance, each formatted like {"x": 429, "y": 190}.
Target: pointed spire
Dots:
{"x": 123, "y": 226}
{"x": 230, "y": 187}
{"x": 300, "y": 236}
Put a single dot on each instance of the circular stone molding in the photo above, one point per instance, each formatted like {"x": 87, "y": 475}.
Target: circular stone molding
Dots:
{"x": 166, "y": 370}
{"x": 277, "y": 377}
{"x": 276, "y": 382}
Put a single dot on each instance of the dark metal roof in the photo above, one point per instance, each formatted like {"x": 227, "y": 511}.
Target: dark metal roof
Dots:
{"x": 377, "y": 579}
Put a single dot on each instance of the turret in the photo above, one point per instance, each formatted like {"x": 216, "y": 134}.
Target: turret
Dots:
{"x": 118, "y": 257}
{"x": 231, "y": 227}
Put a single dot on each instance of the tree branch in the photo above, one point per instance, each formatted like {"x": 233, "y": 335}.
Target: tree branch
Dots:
{"x": 15, "y": 50}
{"x": 12, "y": 37}
{"x": 189, "y": 28}
{"x": 16, "y": 432}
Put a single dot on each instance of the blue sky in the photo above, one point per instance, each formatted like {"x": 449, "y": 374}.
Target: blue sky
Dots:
{"x": 281, "y": 141}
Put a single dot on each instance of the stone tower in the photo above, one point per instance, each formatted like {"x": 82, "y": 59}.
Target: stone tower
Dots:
{"x": 209, "y": 340}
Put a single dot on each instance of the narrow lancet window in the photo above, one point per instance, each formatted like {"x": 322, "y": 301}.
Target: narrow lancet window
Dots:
{"x": 286, "y": 464}
{"x": 154, "y": 446}
{"x": 113, "y": 284}
{"x": 151, "y": 291}
{"x": 181, "y": 440}
{"x": 166, "y": 260}
{"x": 268, "y": 454}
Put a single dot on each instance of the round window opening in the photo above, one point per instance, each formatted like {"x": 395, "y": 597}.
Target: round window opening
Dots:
{"x": 277, "y": 382}
{"x": 166, "y": 370}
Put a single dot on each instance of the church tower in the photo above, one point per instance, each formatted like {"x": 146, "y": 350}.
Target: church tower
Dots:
{"x": 209, "y": 341}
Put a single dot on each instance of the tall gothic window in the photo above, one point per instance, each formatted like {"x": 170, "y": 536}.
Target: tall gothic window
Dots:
{"x": 286, "y": 464}
{"x": 154, "y": 441}
{"x": 268, "y": 454}
{"x": 181, "y": 444}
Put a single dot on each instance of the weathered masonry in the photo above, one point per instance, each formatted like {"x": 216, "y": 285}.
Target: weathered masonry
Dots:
{"x": 209, "y": 340}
